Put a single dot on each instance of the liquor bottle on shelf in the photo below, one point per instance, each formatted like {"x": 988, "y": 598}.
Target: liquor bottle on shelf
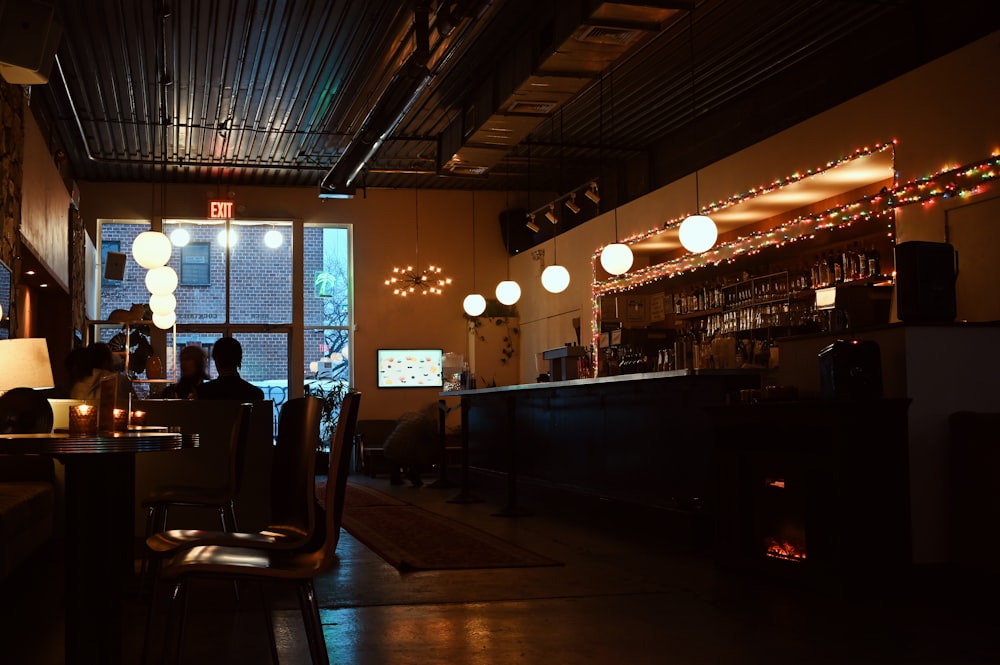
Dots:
{"x": 824, "y": 271}
{"x": 862, "y": 261}
{"x": 874, "y": 265}
{"x": 836, "y": 268}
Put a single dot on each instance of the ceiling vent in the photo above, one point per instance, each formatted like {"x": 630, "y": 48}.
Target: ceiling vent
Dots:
{"x": 528, "y": 87}
{"x": 532, "y": 107}
{"x": 599, "y": 34}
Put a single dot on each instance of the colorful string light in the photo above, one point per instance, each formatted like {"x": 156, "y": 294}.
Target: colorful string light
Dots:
{"x": 961, "y": 182}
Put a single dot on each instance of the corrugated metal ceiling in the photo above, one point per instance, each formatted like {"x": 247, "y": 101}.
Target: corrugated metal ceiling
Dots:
{"x": 275, "y": 92}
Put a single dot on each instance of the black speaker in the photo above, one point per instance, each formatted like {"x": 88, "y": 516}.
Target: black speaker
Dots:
{"x": 114, "y": 266}
{"x": 516, "y": 236}
{"x": 925, "y": 281}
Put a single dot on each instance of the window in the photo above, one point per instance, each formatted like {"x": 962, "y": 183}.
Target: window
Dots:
{"x": 328, "y": 306}
{"x": 239, "y": 283}
{"x": 196, "y": 264}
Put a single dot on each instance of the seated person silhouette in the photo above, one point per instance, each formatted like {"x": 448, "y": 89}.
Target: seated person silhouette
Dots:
{"x": 192, "y": 359}
{"x": 228, "y": 356}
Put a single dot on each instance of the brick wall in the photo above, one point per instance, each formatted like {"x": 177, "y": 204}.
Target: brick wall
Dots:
{"x": 260, "y": 280}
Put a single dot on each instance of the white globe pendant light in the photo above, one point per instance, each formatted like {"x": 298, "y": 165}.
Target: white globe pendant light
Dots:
{"x": 226, "y": 239}
{"x": 474, "y": 304}
{"x": 164, "y": 321}
{"x": 555, "y": 278}
{"x": 151, "y": 249}
{"x": 698, "y": 233}
{"x": 180, "y": 237}
{"x": 161, "y": 281}
{"x": 616, "y": 258}
{"x": 273, "y": 239}
{"x": 508, "y": 292}
{"x": 161, "y": 303}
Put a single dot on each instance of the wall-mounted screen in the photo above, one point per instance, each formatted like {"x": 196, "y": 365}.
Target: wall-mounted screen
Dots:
{"x": 409, "y": 368}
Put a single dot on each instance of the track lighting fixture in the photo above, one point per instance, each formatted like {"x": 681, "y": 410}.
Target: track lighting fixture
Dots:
{"x": 550, "y": 214}
{"x": 592, "y": 194}
{"x": 531, "y": 223}
{"x": 571, "y": 204}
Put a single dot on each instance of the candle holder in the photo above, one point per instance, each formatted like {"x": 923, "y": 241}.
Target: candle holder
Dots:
{"x": 120, "y": 420}
{"x": 137, "y": 419}
{"x": 82, "y": 420}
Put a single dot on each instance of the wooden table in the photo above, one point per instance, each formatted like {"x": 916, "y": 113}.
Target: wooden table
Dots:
{"x": 99, "y": 525}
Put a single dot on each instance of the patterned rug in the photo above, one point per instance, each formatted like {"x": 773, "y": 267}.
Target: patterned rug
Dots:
{"x": 411, "y": 538}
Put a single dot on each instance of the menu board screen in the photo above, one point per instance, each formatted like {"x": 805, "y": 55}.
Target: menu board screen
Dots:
{"x": 410, "y": 368}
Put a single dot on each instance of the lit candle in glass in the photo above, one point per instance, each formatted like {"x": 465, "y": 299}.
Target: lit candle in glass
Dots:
{"x": 120, "y": 420}
{"x": 138, "y": 418}
{"x": 82, "y": 420}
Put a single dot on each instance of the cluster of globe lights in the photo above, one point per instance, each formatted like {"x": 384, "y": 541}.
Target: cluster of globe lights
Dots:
{"x": 697, "y": 234}
{"x": 180, "y": 237}
{"x": 151, "y": 250}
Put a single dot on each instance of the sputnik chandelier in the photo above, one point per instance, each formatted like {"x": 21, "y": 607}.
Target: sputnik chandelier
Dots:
{"x": 410, "y": 281}
{"x": 407, "y": 281}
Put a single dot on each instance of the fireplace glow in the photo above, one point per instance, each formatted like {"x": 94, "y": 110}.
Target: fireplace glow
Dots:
{"x": 784, "y": 550}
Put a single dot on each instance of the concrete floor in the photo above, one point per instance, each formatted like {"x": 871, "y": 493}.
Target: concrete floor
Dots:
{"x": 630, "y": 592}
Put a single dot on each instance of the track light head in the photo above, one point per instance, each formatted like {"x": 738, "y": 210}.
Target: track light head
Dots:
{"x": 550, "y": 214}
{"x": 531, "y": 223}
{"x": 571, "y": 204}
{"x": 592, "y": 194}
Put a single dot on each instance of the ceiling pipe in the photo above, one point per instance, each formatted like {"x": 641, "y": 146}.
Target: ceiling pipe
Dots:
{"x": 402, "y": 92}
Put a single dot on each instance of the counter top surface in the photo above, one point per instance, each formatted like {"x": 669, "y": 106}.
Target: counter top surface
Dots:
{"x": 604, "y": 380}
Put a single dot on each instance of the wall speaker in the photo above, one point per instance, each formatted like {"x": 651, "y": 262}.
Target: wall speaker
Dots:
{"x": 925, "y": 281}
{"x": 114, "y": 266}
{"x": 29, "y": 37}
{"x": 516, "y": 236}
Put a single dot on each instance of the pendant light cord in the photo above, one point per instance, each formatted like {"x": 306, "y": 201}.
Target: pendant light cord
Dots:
{"x": 416, "y": 224}
{"x": 694, "y": 110}
{"x": 611, "y": 93}
{"x": 474, "y": 241}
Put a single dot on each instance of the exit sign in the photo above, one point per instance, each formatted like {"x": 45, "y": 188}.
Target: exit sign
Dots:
{"x": 220, "y": 209}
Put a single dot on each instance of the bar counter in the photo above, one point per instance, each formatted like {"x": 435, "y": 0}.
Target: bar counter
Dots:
{"x": 642, "y": 438}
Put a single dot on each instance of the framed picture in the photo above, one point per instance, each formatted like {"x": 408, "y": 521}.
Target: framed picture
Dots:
{"x": 635, "y": 309}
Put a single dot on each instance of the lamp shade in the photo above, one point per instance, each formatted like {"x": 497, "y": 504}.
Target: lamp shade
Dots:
{"x": 151, "y": 249}
{"x": 555, "y": 278}
{"x": 698, "y": 233}
{"x": 474, "y": 304}
{"x": 161, "y": 281}
{"x": 616, "y": 258}
{"x": 25, "y": 364}
{"x": 508, "y": 292}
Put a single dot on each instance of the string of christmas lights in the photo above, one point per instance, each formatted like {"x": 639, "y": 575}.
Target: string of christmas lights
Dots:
{"x": 962, "y": 182}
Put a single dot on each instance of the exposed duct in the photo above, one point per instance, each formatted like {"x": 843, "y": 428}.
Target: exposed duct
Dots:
{"x": 403, "y": 90}
{"x": 530, "y": 84}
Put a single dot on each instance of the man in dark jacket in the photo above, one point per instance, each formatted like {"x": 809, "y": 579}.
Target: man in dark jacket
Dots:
{"x": 228, "y": 356}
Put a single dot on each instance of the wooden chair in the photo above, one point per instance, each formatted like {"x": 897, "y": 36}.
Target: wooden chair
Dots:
{"x": 299, "y": 566}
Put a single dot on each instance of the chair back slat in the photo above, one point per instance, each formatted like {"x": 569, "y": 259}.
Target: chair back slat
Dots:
{"x": 293, "y": 469}
{"x": 336, "y": 479}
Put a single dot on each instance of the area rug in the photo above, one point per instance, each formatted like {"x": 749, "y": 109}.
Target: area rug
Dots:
{"x": 411, "y": 538}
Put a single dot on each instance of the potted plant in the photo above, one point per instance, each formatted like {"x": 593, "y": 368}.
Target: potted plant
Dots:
{"x": 496, "y": 331}
{"x": 332, "y": 394}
